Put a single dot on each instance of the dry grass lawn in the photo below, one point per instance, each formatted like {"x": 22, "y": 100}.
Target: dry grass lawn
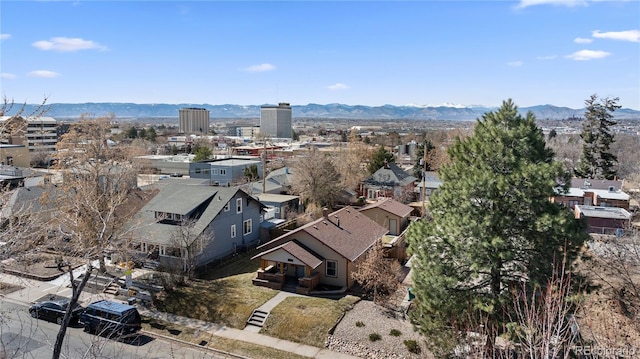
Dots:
{"x": 229, "y": 301}
{"x": 306, "y": 320}
{"x": 211, "y": 341}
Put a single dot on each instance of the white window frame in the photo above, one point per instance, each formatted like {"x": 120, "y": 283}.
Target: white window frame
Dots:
{"x": 247, "y": 227}
{"x": 334, "y": 268}
{"x": 227, "y": 207}
{"x": 223, "y": 172}
{"x": 239, "y": 205}
{"x": 233, "y": 231}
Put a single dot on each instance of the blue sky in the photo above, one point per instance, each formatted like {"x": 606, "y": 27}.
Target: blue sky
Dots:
{"x": 351, "y": 52}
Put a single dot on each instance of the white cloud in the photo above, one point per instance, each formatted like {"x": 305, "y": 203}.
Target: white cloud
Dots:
{"x": 260, "y": 68}
{"x": 338, "y": 86}
{"x": 582, "y": 40}
{"x": 67, "y": 44}
{"x": 584, "y": 55}
{"x": 629, "y": 35}
{"x": 515, "y": 63}
{"x": 548, "y": 57}
{"x": 43, "y": 73}
{"x": 7, "y": 76}
{"x": 569, "y": 3}
{"x": 4, "y": 36}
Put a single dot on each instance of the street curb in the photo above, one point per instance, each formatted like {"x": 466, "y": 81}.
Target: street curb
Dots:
{"x": 183, "y": 342}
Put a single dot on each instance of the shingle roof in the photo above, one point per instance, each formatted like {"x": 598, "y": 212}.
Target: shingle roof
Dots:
{"x": 390, "y": 205}
{"x": 183, "y": 196}
{"x": 298, "y": 251}
{"x": 347, "y": 231}
{"x": 391, "y": 174}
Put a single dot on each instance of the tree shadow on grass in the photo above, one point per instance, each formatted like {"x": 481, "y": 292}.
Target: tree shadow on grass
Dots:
{"x": 234, "y": 265}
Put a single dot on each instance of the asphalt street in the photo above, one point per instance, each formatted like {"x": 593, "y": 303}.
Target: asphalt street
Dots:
{"x": 24, "y": 337}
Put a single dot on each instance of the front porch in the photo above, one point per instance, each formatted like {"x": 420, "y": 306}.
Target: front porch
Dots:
{"x": 276, "y": 275}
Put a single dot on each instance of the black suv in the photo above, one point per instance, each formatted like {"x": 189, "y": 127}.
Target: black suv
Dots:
{"x": 110, "y": 318}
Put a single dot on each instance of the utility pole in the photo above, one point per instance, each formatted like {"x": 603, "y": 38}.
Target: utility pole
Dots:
{"x": 424, "y": 174}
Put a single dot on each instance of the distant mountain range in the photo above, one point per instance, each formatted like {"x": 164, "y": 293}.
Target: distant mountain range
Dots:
{"x": 337, "y": 111}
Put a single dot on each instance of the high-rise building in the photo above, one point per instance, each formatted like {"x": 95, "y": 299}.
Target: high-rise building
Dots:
{"x": 275, "y": 121}
{"x": 39, "y": 134}
{"x": 194, "y": 120}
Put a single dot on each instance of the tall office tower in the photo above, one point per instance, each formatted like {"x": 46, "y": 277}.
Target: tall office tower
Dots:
{"x": 275, "y": 121}
{"x": 194, "y": 120}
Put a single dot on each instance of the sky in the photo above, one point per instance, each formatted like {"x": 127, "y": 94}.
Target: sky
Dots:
{"x": 371, "y": 53}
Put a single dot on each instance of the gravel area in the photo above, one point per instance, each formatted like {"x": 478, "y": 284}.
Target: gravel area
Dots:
{"x": 350, "y": 338}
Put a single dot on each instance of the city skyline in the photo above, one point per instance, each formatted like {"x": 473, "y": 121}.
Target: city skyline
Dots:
{"x": 350, "y": 52}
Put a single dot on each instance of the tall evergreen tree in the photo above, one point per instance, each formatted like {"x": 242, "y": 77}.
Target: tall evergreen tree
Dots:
{"x": 380, "y": 157}
{"x": 597, "y": 161}
{"x": 492, "y": 227}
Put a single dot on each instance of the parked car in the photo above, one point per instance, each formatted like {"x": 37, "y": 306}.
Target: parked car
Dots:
{"x": 110, "y": 318}
{"x": 54, "y": 310}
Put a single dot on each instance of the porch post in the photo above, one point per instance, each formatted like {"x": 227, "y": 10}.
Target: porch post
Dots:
{"x": 281, "y": 267}
{"x": 307, "y": 271}
{"x": 262, "y": 263}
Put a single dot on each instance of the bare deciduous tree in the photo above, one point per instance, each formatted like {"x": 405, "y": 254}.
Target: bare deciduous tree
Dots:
{"x": 315, "y": 179}
{"x": 378, "y": 275}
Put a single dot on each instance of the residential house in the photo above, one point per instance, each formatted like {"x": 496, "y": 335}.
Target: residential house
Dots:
{"x": 389, "y": 181}
{"x": 429, "y": 183}
{"x": 604, "y": 220}
{"x": 277, "y": 182}
{"x": 226, "y": 171}
{"x": 395, "y": 216}
{"x": 590, "y": 192}
{"x": 223, "y": 221}
{"x": 281, "y": 204}
{"x": 323, "y": 252}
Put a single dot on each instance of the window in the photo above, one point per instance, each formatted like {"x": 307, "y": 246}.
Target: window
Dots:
{"x": 197, "y": 170}
{"x": 239, "y": 205}
{"x": 223, "y": 172}
{"x": 233, "y": 231}
{"x": 246, "y": 227}
{"x": 332, "y": 269}
{"x": 227, "y": 207}
{"x": 572, "y": 204}
{"x": 214, "y": 171}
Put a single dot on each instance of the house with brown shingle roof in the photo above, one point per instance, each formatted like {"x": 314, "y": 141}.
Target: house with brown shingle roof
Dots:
{"x": 395, "y": 216}
{"x": 323, "y": 252}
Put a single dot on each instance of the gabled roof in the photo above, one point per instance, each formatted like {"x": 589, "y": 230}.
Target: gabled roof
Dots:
{"x": 346, "y": 231}
{"x": 391, "y": 174}
{"x": 186, "y": 199}
{"x": 180, "y": 199}
{"x": 389, "y": 205}
{"x": 298, "y": 251}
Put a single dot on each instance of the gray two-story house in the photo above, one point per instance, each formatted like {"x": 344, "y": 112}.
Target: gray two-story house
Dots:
{"x": 226, "y": 171}
{"x": 216, "y": 221}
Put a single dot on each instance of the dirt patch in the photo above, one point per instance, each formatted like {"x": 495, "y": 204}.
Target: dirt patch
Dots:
{"x": 39, "y": 266}
{"x": 6, "y": 288}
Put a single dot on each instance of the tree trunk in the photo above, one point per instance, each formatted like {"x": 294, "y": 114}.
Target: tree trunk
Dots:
{"x": 77, "y": 289}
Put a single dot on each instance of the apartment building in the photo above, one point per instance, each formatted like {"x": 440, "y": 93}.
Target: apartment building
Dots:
{"x": 275, "y": 121}
{"x": 194, "y": 120}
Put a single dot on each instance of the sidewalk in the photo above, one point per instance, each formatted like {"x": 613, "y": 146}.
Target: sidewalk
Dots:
{"x": 34, "y": 290}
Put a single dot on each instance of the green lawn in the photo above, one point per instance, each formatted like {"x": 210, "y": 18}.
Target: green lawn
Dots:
{"x": 306, "y": 320}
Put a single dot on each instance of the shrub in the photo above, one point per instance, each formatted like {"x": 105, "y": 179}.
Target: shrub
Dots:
{"x": 412, "y": 346}
{"x": 374, "y": 337}
{"x": 395, "y": 332}
{"x": 359, "y": 324}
